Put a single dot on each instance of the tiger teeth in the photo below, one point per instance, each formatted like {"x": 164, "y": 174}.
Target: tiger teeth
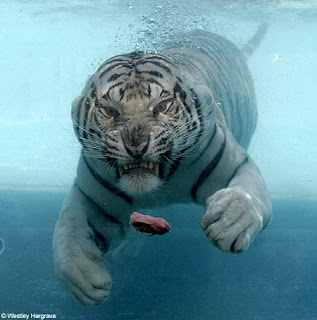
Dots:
{"x": 147, "y": 165}
{"x": 156, "y": 168}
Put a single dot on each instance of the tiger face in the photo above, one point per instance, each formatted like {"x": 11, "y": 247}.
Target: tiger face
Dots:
{"x": 137, "y": 116}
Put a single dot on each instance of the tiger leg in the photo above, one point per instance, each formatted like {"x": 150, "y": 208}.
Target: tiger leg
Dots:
{"x": 236, "y": 214}
{"x": 79, "y": 262}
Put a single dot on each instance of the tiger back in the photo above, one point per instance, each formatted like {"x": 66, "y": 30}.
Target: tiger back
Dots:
{"x": 209, "y": 60}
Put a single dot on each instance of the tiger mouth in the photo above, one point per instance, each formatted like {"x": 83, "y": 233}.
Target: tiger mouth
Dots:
{"x": 151, "y": 167}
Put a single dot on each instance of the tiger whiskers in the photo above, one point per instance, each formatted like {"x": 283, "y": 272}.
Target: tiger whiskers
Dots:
{"x": 91, "y": 125}
{"x": 106, "y": 165}
{"x": 171, "y": 162}
{"x": 91, "y": 149}
{"x": 158, "y": 192}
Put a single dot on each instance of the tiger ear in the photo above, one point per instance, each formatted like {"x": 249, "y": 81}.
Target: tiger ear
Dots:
{"x": 204, "y": 95}
{"x": 76, "y": 101}
{"x": 75, "y": 106}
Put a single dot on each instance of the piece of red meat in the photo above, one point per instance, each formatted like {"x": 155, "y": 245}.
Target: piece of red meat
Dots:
{"x": 149, "y": 225}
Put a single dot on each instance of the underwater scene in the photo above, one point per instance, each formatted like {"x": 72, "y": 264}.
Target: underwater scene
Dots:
{"x": 148, "y": 107}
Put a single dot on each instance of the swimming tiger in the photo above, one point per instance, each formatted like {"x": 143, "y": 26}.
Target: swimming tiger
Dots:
{"x": 159, "y": 129}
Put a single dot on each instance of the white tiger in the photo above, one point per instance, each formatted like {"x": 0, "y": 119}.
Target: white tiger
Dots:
{"x": 159, "y": 129}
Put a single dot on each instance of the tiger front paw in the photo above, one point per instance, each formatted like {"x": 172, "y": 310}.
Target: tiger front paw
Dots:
{"x": 231, "y": 221}
{"x": 84, "y": 272}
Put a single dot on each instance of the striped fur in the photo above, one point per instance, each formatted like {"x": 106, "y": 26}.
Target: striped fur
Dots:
{"x": 205, "y": 82}
{"x": 158, "y": 129}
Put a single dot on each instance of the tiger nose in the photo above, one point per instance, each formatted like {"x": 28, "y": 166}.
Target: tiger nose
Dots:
{"x": 137, "y": 150}
{"x": 136, "y": 139}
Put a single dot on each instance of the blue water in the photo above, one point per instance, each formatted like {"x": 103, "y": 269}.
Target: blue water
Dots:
{"x": 48, "y": 50}
{"x": 177, "y": 276}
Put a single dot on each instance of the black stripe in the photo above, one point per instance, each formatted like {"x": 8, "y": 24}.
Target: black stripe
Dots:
{"x": 149, "y": 91}
{"x": 164, "y": 159}
{"x": 197, "y": 105}
{"x": 104, "y": 97}
{"x": 246, "y": 159}
{"x": 106, "y": 214}
{"x": 207, "y": 146}
{"x": 160, "y": 134}
{"x": 151, "y": 80}
{"x": 207, "y": 171}
{"x": 85, "y": 118}
{"x": 235, "y": 107}
{"x": 93, "y": 92}
{"x": 152, "y": 73}
{"x": 106, "y": 184}
{"x": 114, "y": 59}
{"x": 158, "y": 57}
{"x": 173, "y": 168}
{"x": 200, "y": 117}
{"x": 111, "y": 147}
{"x": 111, "y": 60}
{"x": 118, "y": 75}
{"x": 125, "y": 65}
{"x": 182, "y": 95}
{"x": 158, "y": 64}
{"x": 99, "y": 239}
{"x": 95, "y": 133}
{"x": 76, "y": 124}
{"x": 111, "y": 138}
{"x": 112, "y": 87}
{"x": 164, "y": 93}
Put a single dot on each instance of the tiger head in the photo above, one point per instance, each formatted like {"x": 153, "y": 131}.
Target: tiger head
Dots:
{"x": 136, "y": 114}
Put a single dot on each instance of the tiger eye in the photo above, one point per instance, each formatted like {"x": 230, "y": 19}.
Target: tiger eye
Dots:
{"x": 159, "y": 108}
{"x": 112, "y": 112}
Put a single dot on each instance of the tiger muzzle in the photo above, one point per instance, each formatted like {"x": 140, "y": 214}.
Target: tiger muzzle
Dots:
{"x": 137, "y": 151}
{"x": 136, "y": 141}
